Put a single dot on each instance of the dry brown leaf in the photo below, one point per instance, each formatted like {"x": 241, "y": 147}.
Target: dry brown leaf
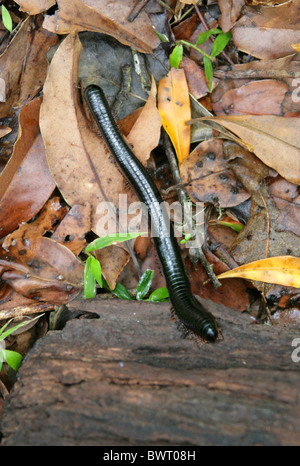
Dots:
{"x": 236, "y": 79}
{"x": 15, "y": 309}
{"x": 34, "y": 7}
{"x": 263, "y": 97}
{"x": 275, "y": 140}
{"x": 230, "y": 12}
{"x": 262, "y": 236}
{"x": 113, "y": 260}
{"x": 248, "y": 168}
{"x": 105, "y": 17}
{"x": 148, "y": 121}
{"x": 23, "y": 65}
{"x": 50, "y": 215}
{"x": 45, "y": 270}
{"x": 279, "y": 68}
{"x": 287, "y": 200}
{"x": 268, "y": 33}
{"x": 25, "y": 183}
{"x": 232, "y": 293}
{"x": 4, "y": 131}
{"x": 174, "y": 108}
{"x": 283, "y": 270}
{"x": 276, "y": 3}
{"x": 72, "y": 229}
{"x": 207, "y": 176}
{"x": 195, "y": 77}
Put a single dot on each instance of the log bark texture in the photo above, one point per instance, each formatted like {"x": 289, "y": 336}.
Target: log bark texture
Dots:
{"x": 131, "y": 377}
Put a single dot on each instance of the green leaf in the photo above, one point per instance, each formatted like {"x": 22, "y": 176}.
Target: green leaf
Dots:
{"x": 96, "y": 270}
{"x": 3, "y": 334}
{"x": 220, "y": 43}
{"x": 12, "y": 358}
{"x": 186, "y": 238}
{"x": 205, "y": 35}
{"x": 6, "y": 18}
{"x": 162, "y": 37}
{"x": 107, "y": 240}
{"x": 161, "y": 294}
{"x": 176, "y": 56}
{"x": 208, "y": 69}
{"x": 144, "y": 284}
{"x": 234, "y": 226}
{"x": 120, "y": 291}
{"x": 89, "y": 280}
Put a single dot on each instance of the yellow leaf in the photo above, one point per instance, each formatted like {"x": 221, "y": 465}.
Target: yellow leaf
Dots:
{"x": 282, "y": 270}
{"x": 296, "y": 47}
{"x": 174, "y": 108}
{"x": 275, "y": 140}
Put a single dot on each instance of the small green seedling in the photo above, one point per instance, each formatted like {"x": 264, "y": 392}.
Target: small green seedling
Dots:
{"x": 219, "y": 45}
{"x": 186, "y": 238}
{"x": 93, "y": 273}
{"x": 12, "y": 358}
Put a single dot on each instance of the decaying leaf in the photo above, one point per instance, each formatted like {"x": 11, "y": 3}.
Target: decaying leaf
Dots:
{"x": 72, "y": 229}
{"x": 230, "y": 13}
{"x": 34, "y": 7}
{"x": 23, "y": 65}
{"x": 263, "y": 97}
{"x": 263, "y": 236}
{"x": 284, "y": 270}
{"x": 207, "y": 176}
{"x": 149, "y": 117}
{"x": 25, "y": 183}
{"x": 259, "y": 87}
{"x": 4, "y": 131}
{"x": 287, "y": 199}
{"x": 275, "y": 140}
{"x": 195, "y": 77}
{"x": 50, "y": 215}
{"x": 268, "y": 35}
{"x": 104, "y": 17}
{"x": 113, "y": 260}
{"x": 43, "y": 270}
{"x": 174, "y": 109}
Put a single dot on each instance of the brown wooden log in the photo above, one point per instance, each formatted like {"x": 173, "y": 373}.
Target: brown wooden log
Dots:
{"x": 131, "y": 378}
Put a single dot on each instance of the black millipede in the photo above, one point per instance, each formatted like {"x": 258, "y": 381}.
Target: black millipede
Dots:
{"x": 189, "y": 310}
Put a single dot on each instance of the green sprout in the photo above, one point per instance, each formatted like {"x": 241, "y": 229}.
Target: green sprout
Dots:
{"x": 219, "y": 45}
{"x": 12, "y": 358}
{"x": 93, "y": 273}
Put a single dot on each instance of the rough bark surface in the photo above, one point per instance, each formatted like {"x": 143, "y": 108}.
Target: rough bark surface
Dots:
{"x": 132, "y": 378}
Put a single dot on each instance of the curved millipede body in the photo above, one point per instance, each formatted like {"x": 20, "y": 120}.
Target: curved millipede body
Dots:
{"x": 187, "y": 307}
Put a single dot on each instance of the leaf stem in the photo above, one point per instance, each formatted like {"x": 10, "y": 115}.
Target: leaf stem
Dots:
{"x": 188, "y": 44}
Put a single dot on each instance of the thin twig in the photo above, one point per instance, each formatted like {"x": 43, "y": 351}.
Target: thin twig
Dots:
{"x": 196, "y": 253}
